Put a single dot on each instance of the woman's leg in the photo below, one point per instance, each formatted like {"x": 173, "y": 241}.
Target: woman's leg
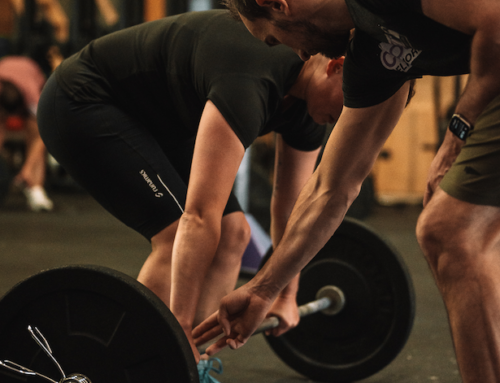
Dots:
{"x": 32, "y": 173}
{"x": 223, "y": 273}
{"x": 156, "y": 271}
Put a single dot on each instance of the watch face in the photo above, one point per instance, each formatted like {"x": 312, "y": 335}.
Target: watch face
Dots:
{"x": 459, "y": 128}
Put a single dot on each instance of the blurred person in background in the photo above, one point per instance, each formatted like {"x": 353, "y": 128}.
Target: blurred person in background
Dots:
{"x": 21, "y": 82}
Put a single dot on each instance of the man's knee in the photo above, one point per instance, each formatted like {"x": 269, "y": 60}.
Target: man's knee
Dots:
{"x": 428, "y": 231}
{"x": 443, "y": 224}
{"x": 446, "y": 245}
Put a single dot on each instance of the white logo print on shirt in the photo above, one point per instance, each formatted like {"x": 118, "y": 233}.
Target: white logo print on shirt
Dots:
{"x": 398, "y": 53}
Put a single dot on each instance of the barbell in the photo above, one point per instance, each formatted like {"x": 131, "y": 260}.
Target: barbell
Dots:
{"x": 100, "y": 325}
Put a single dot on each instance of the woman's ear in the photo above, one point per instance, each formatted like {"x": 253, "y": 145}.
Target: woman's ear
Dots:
{"x": 335, "y": 66}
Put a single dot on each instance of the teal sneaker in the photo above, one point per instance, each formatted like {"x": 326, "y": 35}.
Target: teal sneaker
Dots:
{"x": 205, "y": 366}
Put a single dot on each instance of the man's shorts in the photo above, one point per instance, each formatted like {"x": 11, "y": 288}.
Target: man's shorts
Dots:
{"x": 139, "y": 175}
{"x": 475, "y": 175}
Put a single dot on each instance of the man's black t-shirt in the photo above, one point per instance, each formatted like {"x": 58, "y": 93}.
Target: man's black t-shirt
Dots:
{"x": 394, "y": 42}
{"x": 164, "y": 71}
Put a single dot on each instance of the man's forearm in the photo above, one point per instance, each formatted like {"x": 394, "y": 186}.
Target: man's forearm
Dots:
{"x": 479, "y": 20}
{"x": 313, "y": 221}
{"x": 484, "y": 80}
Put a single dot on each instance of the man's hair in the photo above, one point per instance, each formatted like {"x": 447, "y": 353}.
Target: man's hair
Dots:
{"x": 11, "y": 99}
{"x": 249, "y": 9}
{"x": 252, "y": 11}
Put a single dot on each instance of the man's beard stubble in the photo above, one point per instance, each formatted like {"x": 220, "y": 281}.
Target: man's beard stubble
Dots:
{"x": 330, "y": 44}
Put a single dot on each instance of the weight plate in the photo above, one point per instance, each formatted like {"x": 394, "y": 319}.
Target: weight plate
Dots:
{"x": 99, "y": 322}
{"x": 375, "y": 322}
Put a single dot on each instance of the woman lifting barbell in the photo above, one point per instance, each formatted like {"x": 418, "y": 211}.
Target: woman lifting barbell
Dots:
{"x": 128, "y": 115}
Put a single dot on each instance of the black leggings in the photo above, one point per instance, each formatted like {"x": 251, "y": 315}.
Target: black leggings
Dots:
{"x": 138, "y": 178}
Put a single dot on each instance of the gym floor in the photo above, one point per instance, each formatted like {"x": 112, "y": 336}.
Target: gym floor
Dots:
{"x": 79, "y": 231}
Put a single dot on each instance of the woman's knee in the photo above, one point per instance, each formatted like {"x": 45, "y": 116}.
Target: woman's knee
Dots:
{"x": 163, "y": 241}
{"x": 236, "y": 233}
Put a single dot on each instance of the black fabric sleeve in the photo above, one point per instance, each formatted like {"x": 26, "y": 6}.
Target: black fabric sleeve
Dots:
{"x": 244, "y": 102}
{"x": 301, "y": 132}
{"x": 365, "y": 81}
{"x": 311, "y": 142}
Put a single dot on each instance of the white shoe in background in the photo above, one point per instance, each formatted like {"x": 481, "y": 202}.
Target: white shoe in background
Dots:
{"x": 37, "y": 199}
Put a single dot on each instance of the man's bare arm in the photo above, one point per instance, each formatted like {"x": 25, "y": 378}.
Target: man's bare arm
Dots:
{"x": 348, "y": 158}
{"x": 480, "y": 19}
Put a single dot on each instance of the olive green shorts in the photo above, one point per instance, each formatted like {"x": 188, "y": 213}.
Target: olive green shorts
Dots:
{"x": 475, "y": 175}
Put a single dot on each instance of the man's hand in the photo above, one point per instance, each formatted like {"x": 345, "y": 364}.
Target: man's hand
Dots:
{"x": 441, "y": 163}
{"x": 239, "y": 315}
{"x": 286, "y": 309}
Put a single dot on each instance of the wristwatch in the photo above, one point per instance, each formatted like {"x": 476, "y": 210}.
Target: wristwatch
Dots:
{"x": 460, "y": 127}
